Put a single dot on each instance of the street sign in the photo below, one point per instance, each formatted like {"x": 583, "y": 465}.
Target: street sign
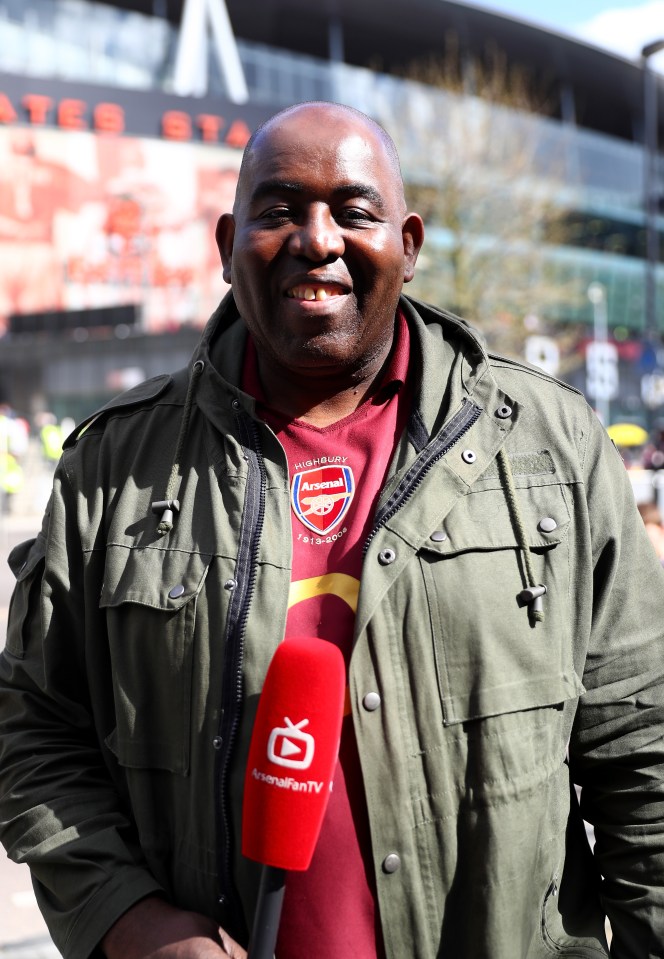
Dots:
{"x": 652, "y": 389}
{"x": 602, "y": 370}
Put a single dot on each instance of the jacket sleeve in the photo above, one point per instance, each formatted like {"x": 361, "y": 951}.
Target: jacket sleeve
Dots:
{"x": 617, "y": 746}
{"x": 60, "y": 810}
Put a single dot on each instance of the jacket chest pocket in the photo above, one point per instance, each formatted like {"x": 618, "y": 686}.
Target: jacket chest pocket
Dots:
{"x": 502, "y": 679}
{"x": 150, "y": 597}
{"x": 27, "y": 563}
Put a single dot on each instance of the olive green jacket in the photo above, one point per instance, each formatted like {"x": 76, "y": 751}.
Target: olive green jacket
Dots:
{"x": 135, "y": 659}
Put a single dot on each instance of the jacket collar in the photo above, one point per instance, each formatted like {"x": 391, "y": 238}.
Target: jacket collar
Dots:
{"x": 451, "y": 366}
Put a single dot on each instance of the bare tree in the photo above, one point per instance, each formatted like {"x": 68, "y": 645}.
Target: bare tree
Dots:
{"x": 482, "y": 166}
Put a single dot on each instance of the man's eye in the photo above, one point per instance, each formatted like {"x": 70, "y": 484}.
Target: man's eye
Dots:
{"x": 276, "y": 213}
{"x": 355, "y": 214}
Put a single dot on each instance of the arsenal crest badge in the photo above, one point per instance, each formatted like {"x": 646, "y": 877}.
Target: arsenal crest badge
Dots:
{"x": 321, "y": 497}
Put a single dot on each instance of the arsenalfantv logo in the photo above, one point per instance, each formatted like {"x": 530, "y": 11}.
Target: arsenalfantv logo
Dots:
{"x": 321, "y": 497}
{"x": 289, "y": 746}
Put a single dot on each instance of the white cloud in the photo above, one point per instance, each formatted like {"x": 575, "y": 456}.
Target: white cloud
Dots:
{"x": 625, "y": 30}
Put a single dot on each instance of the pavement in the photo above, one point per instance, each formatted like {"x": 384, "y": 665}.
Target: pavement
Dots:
{"x": 39, "y": 948}
{"x": 23, "y": 932}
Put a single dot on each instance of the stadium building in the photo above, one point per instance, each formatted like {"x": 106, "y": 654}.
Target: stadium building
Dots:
{"x": 121, "y": 131}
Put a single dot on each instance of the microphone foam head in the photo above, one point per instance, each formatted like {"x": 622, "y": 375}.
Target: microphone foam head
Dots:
{"x": 293, "y": 753}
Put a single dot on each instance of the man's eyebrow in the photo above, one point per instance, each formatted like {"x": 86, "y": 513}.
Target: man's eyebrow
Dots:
{"x": 270, "y": 187}
{"x": 346, "y": 191}
{"x": 363, "y": 190}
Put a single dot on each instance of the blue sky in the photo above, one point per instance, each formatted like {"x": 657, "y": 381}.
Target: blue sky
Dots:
{"x": 622, "y": 26}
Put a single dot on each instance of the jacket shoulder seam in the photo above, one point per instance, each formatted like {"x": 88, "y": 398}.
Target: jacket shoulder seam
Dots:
{"x": 497, "y": 361}
{"x": 129, "y": 402}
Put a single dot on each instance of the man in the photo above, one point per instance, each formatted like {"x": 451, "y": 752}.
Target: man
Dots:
{"x": 340, "y": 461}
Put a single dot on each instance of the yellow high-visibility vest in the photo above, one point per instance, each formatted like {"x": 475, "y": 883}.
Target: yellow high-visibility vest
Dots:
{"x": 11, "y": 474}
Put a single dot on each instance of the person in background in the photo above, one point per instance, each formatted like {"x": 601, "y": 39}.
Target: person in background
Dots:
{"x": 51, "y": 436}
{"x": 343, "y": 461}
{"x": 652, "y": 518}
{"x": 14, "y": 438}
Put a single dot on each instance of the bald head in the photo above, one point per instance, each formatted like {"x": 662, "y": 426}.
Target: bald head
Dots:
{"x": 305, "y": 120}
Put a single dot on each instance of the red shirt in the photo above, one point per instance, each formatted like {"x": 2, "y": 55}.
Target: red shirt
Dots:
{"x": 336, "y": 474}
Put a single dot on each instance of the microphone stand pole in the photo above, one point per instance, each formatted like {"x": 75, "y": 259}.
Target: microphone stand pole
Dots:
{"x": 268, "y": 913}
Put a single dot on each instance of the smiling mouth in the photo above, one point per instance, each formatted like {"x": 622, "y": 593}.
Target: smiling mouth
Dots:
{"x": 309, "y": 292}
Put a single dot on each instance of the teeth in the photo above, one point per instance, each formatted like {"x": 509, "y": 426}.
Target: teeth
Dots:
{"x": 309, "y": 293}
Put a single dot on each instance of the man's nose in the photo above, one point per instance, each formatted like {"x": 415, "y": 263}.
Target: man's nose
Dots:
{"x": 318, "y": 236}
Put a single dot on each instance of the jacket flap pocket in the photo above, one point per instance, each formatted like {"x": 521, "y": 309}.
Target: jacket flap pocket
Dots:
{"x": 26, "y": 562}
{"x": 522, "y": 693}
{"x": 150, "y": 597}
{"x": 483, "y": 520}
{"x": 24, "y": 557}
{"x": 161, "y": 579}
{"x": 492, "y": 657}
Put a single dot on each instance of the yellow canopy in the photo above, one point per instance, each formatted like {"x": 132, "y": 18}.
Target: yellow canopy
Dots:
{"x": 627, "y": 434}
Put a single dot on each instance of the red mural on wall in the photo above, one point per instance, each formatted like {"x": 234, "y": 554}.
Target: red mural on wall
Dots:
{"x": 88, "y": 220}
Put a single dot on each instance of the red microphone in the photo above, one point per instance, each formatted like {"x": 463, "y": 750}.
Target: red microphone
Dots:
{"x": 292, "y": 758}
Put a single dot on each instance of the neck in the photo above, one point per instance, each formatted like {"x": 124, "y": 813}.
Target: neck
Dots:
{"x": 318, "y": 399}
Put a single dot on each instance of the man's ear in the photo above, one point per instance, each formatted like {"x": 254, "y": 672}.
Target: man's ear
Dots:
{"x": 413, "y": 238}
{"x": 225, "y": 234}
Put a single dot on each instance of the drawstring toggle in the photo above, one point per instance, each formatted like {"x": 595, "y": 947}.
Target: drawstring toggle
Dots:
{"x": 532, "y": 598}
{"x": 167, "y": 507}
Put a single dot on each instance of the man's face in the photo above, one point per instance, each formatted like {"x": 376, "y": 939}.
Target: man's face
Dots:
{"x": 319, "y": 245}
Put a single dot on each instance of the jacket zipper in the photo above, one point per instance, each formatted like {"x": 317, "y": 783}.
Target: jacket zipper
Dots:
{"x": 232, "y": 692}
{"x": 450, "y": 434}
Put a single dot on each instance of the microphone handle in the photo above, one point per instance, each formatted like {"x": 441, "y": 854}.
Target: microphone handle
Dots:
{"x": 268, "y": 913}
